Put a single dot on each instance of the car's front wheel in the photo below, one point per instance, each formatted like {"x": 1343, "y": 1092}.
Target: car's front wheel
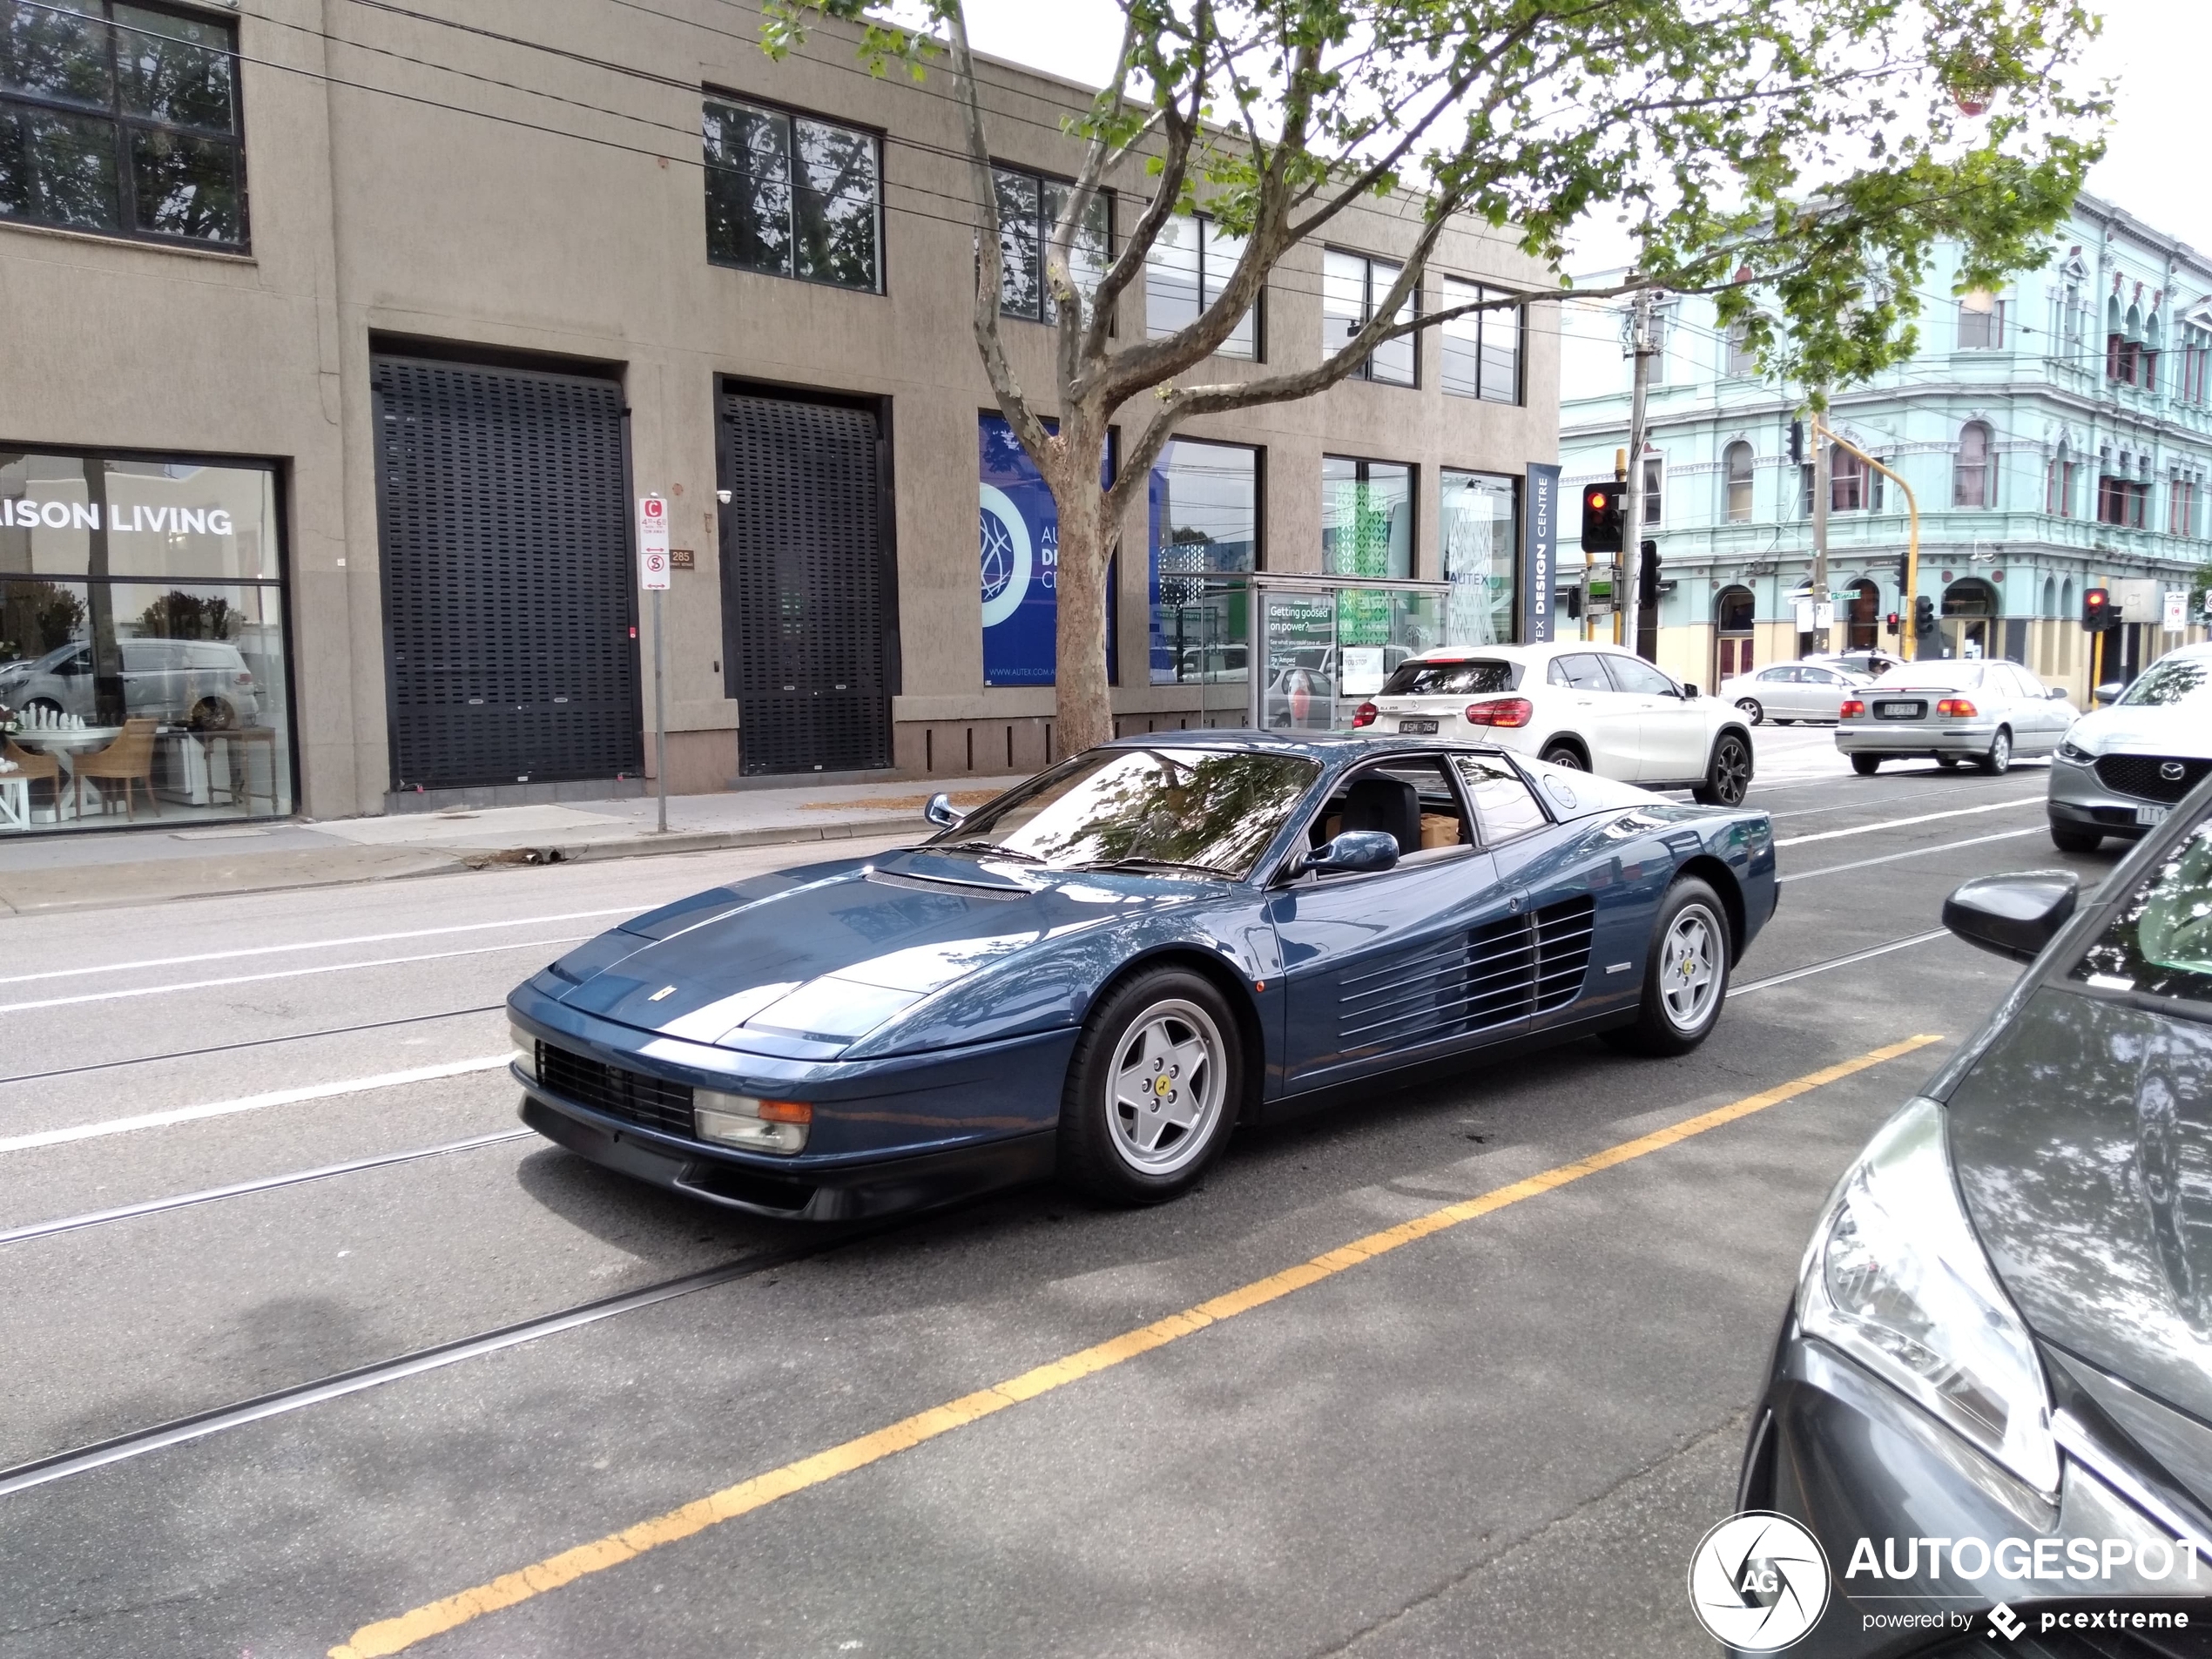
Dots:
{"x": 2068, "y": 839}
{"x": 1152, "y": 1088}
{"x": 1728, "y": 775}
{"x": 1685, "y": 973}
{"x": 1752, "y": 711}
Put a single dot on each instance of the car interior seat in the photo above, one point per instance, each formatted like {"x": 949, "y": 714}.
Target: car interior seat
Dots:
{"x": 1378, "y": 801}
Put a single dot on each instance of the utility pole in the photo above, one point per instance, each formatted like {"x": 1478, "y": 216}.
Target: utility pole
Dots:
{"x": 1822, "y": 466}
{"x": 1639, "y": 343}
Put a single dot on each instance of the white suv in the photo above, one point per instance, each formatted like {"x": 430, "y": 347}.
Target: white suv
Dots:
{"x": 1594, "y": 707}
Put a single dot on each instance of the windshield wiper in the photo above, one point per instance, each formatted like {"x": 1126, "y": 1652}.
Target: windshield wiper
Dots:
{"x": 990, "y": 848}
{"x": 1155, "y": 864}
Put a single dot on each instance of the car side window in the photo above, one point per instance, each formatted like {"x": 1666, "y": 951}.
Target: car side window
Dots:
{"x": 1583, "y": 671}
{"x": 1634, "y": 675}
{"x": 1816, "y": 676}
{"x": 2159, "y": 942}
{"x": 1504, "y": 803}
{"x": 1412, "y": 800}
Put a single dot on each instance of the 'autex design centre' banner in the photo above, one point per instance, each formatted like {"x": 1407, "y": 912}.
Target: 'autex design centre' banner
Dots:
{"x": 1018, "y": 532}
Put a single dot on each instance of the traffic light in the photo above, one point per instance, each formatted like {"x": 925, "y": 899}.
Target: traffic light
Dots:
{"x": 1892, "y": 621}
{"x": 1648, "y": 577}
{"x": 1924, "y": 619}
{"x": 2098, "y": 611}
{"x": 1605, "y": 515}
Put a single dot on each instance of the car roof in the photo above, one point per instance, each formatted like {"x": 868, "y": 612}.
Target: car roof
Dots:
{"x": 1328, "y": 747}
{"x": 1535, "y": 653}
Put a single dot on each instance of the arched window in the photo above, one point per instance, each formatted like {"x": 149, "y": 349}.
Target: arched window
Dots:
{"x": 1864, "y": 618}
{"x": 1734, "y": 611}
{"x": 1970, "y": 477}
{"x": 1737, "y": 462}
{"x": 2065, "y": 633}
{"x": 2051, "y": 597}
{"x": 1742, "y": 362}
{"x": 2058, "y": 483}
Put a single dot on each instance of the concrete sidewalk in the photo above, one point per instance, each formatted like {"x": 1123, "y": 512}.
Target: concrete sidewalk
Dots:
{"x": 65, "y": 872}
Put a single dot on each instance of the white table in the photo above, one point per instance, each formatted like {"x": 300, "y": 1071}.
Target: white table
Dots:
{"x": 15, "y": 801}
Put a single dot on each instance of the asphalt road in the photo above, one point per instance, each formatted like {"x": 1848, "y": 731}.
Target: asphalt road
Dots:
{"x": 1502, "y": 1437}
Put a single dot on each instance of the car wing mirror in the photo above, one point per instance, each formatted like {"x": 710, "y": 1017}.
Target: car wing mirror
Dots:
{"x": 2109, "y": 691}
{"x": 940, "y": 811}
{"x": 2057, "y": 694}
{"x": 2013, "y": 915}
{"x": 1690, "y": 690}
{"x": 1355, "y": 852}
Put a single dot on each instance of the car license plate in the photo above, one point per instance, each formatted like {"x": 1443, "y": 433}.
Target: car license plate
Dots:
{"x": 2149, "y": 815}
{"x": 1417, "y": 728}
{"x": 1897, "y": 711}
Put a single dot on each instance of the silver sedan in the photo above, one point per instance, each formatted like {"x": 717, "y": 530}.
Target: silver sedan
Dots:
{"x": 1786, "y": 692}
{"x": 1953, "y": 712}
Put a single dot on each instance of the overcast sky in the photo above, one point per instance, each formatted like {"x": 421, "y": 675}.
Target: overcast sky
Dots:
{"x": 2156, "y": 50}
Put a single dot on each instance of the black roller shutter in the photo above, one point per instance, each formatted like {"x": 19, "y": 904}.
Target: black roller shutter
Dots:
{"x": 807, "y": 593}
{"x": 509, "y": 618}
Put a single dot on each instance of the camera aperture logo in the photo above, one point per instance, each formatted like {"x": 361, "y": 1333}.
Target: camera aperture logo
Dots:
{"x": 1758, "y": 1582}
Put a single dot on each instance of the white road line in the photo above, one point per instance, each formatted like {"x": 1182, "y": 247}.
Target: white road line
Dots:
{"x": 1955, "y": 791}
{"x": 1917, "y": 851}
{"x": 314, "y": 944}
{"x": 1924, "y": 817}
{"x": 250, "y": 1103}
{"x": 288, "y": 972}
{"x": 1867, "y": 955}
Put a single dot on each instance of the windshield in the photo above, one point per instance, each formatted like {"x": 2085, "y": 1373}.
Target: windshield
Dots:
{"x": 1201, "y": 810}
{"x": 1452, "y": 676}
{"x": 1955, "y": 677}
{"x": 2175, "y": 683}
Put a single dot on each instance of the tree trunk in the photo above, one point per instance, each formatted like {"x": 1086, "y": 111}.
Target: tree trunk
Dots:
{"x": 1083, "y": 702}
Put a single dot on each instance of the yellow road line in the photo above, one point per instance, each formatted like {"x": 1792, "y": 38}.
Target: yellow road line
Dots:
{"x": 395, "y": 1635}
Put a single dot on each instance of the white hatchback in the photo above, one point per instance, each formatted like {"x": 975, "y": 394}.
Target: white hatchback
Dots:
{"x": 1593, "y": 707}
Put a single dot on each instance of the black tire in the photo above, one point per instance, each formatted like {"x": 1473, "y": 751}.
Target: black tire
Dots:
{"x": 1778, "y": 720}
{"x": 1564, "y": 754}
{"x": 1949, "y": 763}
{"x": 2068, "y": 839}
{"x": 1728, "y": 774}
{"x": 1866, "y": 765}
{"x": 1752, "y": 710}
{"x": 1102, "y": 1136}
{"x": 1999, "y": 760}
{"x": 1660, "y": 1029}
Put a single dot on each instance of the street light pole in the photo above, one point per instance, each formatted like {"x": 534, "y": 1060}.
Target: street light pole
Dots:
{"x": 1626, "y": 604}
{"x": 1912, "y": 537}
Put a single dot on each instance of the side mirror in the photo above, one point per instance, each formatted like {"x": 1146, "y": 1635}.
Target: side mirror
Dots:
{"x": 2110, "y": 691}
{"x": 2057, "y": 694}
{"x": 1353, "y": 852}
{"x": 940, "y": 811}
{"x": 2014, "y": 915}
{"x": 1690, "y": 690}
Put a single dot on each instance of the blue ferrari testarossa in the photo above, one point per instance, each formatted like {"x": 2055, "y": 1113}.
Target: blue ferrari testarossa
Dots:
{"x": 1104, "y": 970}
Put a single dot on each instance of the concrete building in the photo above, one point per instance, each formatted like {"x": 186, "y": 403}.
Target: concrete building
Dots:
{"x": 414, "y": 306}
{"x": 2057, "y": 434}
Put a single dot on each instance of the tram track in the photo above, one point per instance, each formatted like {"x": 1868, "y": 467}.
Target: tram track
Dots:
{"x": 249, "y": 1043}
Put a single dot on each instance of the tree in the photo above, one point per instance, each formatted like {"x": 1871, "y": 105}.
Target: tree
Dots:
{"x": 1813, "y": 151}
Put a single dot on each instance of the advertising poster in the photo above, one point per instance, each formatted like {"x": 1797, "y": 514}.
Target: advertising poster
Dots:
{"x": 1540, "y": 554}
{"x": 1019, "y": 527}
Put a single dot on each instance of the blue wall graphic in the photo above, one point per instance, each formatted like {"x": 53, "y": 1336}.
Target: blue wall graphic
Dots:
{"x": 1019, "y": 531}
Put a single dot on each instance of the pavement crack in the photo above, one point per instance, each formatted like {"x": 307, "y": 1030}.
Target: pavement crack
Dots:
{"x": 1732, "y": 1426}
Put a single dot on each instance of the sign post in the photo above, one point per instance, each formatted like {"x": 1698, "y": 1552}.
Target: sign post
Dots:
{"x": 652, "y": 576}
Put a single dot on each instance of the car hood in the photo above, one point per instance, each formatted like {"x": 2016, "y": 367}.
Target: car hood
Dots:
{"x": 2145, "y": 730}
{"x": 814, "y": 965}
{"x": 2083, "y": 1144}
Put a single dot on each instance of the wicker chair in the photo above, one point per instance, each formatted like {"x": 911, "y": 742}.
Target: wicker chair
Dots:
{"x": 128, "y": 760}
{"x": 34, "y": 768}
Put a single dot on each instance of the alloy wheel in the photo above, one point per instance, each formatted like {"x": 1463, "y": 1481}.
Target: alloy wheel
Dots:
{"x": 1168, "y": 1081}
{"x": 1564, "y": 756}
{"x": 1731, "y": 772}
{"x": 2000, "y": 758}
{"x": 1751, "y": 708}
{"x": 1689, "y": 967}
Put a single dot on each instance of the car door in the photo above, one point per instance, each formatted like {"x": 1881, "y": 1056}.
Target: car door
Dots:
{"x": 1821, "y": 693}
{"x": 2037, "y": 722}
{"x": 1378, "y": 967}
{"x": 1672, "y": 734}
{"x": 1605, "y": 720}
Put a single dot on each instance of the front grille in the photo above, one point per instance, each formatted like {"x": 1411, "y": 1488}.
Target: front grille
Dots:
{"x": 630, "y": 1096}
{"x": 2145, "y": 775}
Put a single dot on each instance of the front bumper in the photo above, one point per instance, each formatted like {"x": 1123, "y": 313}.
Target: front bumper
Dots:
{"x": 1839, "y": 1451}
{"x": 1906, "y": 739}
{"x": 2080, "y": 799}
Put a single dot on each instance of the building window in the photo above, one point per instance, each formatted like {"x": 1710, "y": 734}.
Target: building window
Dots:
{"x": 1981, "y": 320}
{"x": 791, "y": 196}
{"x": 1203, "y": 501}
{"x": 2058, "y": 485}
{"x": 2122, "y": 501}
{"x": 1475, "y": 525}
{"x": 2181, "y": 507}
{"x": 1846, "y": 482}
{"x": 142, "y": 657}
{"x": 1655, "y": 478}
{"x": 1970, "y": 478}
{"x": 121, "y": 120}
{"x": 1189, "y": 264}
{"x": 1742, "y": 363}
{"x": 1351, "y": 284}
{"x": 2129, "y": 362}
{"x": 1481, "y": 351}
{"x": 1738, "y": 464}
{"x": 1367, "y": 517}
{"x": 1029, "y": 205}
{"x": 2072, "y": 323}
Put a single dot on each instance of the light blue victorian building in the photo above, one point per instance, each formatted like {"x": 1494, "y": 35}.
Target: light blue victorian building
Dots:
{"x": 2057, "y": 434}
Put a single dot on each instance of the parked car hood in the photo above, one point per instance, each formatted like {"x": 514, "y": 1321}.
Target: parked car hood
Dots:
{"x": 801, "y": 965}
{"x": 2083, "y": 1144}
{"x": 2149, "y": 728}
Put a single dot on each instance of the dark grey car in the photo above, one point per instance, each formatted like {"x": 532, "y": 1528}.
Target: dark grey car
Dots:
{"x": 2002, "y": 1329}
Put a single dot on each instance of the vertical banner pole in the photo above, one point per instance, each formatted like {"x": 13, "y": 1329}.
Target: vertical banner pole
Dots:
{"x": 652, "y": 576}
{"x": 660, "y": 718}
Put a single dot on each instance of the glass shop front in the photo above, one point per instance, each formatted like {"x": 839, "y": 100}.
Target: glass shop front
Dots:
{"x": 143, "y": 678}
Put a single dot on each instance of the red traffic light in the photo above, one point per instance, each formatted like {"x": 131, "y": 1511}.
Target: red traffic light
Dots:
{"x": 1597, "y": 501}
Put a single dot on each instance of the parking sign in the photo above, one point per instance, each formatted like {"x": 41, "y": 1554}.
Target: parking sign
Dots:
{"x": 652, "y": 542}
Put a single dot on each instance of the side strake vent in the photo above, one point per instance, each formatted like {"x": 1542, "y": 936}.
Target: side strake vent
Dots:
{"x": 1563, "y": 933}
